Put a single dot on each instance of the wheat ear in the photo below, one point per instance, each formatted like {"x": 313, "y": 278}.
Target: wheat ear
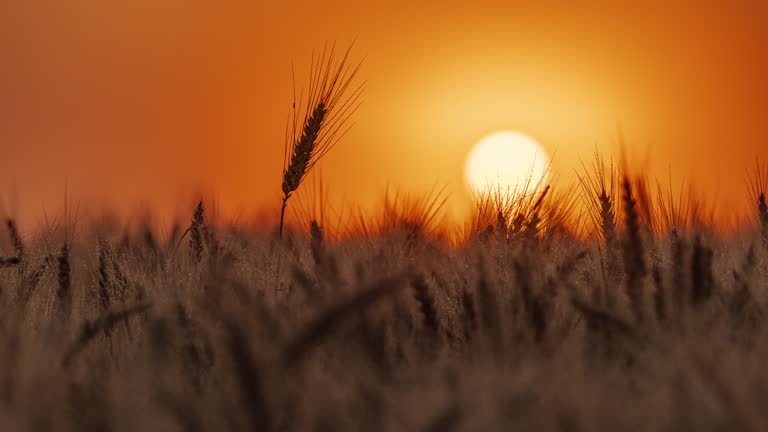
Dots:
{"x": 328, "y": 109}
{"x": 634, "y": 260}
{"x": 757, "y": 186}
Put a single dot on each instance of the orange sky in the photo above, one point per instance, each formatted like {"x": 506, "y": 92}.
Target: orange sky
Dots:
{"x": 144, "y": 102}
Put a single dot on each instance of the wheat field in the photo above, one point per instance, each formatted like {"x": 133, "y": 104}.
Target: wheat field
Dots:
{"x": 613, "y": 306}
{"x": 520, "y": 326}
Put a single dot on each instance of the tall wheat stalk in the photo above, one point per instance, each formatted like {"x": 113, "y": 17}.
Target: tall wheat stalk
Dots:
{"x": 634, "y": 260}
{"x": 329, "y": 106}
{"x": 757, "y": 187}
{"x": 600, "y": 187}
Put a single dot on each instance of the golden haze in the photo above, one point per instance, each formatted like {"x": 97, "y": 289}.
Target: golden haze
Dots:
{"x": 151, "y": 102}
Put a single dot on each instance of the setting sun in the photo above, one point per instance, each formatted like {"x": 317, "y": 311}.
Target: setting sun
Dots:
{"x": 506, "y": 161}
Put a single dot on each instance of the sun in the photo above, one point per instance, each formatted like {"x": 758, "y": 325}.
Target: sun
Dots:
{"x": 507, "y": 161}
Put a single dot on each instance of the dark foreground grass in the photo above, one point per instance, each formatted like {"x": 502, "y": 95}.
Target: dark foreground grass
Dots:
{"x": 521, "y": 326}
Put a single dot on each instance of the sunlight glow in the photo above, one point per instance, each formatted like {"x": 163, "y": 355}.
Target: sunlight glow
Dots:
{"x": 506, "y": 161}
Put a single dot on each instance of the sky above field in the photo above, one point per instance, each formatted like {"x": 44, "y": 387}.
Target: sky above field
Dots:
{"x": 143, "y": 103}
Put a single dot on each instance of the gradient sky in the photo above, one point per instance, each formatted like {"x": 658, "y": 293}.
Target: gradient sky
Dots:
{"x": 128, "y": 103}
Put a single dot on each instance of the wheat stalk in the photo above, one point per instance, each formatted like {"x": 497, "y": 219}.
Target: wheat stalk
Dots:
{"x": 329, "y": 106}
{"x": 702, "y": 279}
{"x": 104, "y": 274}
{"x": 599, "y": 184}
{"x": 757, "y": 187}
{"x": 32, "y": 279}
{"x": 674, "y": 209}
{"x": 104, "y": 323}
{"x": 634, "y": 260}
{"x": 64, "y": 292}
{"x": 316, "y": 245}
{"x": 196, "y": 232}
{"x": 18, "y": 244}
{"x": 327, "y": 322}
{"x": 532, "y": 225}
{"x": 426, "y": 305}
